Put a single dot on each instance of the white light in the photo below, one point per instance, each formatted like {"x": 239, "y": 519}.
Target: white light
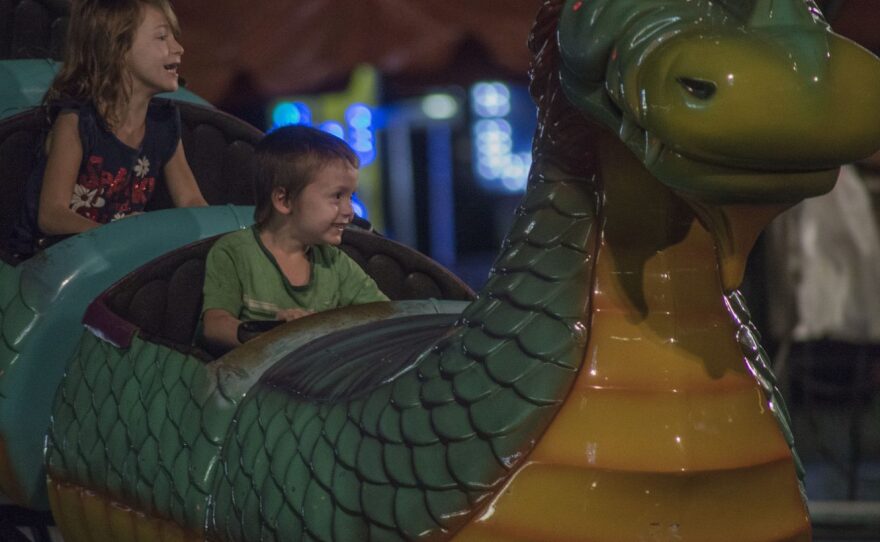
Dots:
{"x": 493, "y": 139}
{"x": 439, "y": 106}
{"x": 490, "y": 99}
{"x": 334, "y": 128}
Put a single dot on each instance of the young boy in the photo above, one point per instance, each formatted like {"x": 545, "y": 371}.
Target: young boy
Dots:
{"x": 285, "y": 267}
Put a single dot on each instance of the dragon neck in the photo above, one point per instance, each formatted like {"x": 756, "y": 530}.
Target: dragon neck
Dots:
{"x": 543, "y": 271}
{"x": 649, "y": 239}
{"x": 662, "y": 393}
{"x": 657, "y": 291}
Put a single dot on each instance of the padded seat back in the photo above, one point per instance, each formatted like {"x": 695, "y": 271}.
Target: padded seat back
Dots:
{"x": 20, "y": 138}
{"x": 219, "y": 148}
{"x": 33, "y": 28}
{"x": 162, "y": 301}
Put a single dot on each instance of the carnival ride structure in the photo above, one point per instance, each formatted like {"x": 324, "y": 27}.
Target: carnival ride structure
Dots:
{"x": 606, "y": 383}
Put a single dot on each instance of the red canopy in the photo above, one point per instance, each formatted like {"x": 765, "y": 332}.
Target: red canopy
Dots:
{"x": 292, "y": 47}
{"x": 272, "y": 48}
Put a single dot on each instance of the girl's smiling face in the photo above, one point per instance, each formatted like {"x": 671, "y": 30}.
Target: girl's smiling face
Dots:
{"x": 155, "y": 55}
{"x": 322, "y": 210}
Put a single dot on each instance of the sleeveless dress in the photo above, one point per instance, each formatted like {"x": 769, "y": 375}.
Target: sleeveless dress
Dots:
{"x": 114, "y": 180}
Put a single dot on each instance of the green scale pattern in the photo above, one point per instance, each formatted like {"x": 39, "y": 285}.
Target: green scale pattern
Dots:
{"x": 16, "y": 318}
{"x": 42, "y": 302}
{"x": 418, "y": 455}
{"x": 143, "y": 426}
{"x": 758, "y": 362}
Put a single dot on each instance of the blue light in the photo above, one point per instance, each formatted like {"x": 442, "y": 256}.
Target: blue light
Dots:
{"x": 286, "y": 113}
{"x": 359, "y": 116}
{"x": 359, "y": 208}
{"x": 361, "y": 132}
{"x": 362, "y": 143}
{"x": 334, "y": 128}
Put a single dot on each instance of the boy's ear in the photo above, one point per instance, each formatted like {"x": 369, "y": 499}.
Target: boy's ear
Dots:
{"x": 280, "y": 202}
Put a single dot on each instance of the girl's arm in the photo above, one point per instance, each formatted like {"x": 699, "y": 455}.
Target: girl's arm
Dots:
{"x": 54, "y": 216}
{"x": 181, "y": 182}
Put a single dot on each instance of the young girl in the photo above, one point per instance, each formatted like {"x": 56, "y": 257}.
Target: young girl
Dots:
{"x": 110, "y": 140}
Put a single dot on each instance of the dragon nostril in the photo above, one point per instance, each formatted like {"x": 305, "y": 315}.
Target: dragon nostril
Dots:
{"x": 698, "y": 88}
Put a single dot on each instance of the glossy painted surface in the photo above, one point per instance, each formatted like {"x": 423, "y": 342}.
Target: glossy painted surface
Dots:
{"x": 722, "y": 108}
{"x": 42, "y": 301}
{"x": 666, "y": 432}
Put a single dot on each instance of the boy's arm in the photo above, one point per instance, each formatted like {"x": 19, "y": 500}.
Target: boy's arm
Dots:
{"x": 220, "y": 328}
{"x": 222, "y": 299}
{"x": 357, "y": 287}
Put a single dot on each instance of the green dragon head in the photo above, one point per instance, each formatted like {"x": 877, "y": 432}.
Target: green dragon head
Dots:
{"x": 724, "y": 101}
{"x": 730, "y": 103}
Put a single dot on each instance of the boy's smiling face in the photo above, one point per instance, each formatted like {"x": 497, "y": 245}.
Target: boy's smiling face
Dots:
{"x": 322, "y": 210}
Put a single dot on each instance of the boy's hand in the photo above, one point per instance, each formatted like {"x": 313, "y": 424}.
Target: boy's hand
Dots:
{"x": 292, "y": 314}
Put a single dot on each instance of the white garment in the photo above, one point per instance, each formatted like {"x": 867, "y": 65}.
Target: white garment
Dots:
{"x": 836, "y": 270}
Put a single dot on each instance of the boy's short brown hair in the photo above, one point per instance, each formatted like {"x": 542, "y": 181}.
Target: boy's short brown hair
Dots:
{"x": 289, "y": 158}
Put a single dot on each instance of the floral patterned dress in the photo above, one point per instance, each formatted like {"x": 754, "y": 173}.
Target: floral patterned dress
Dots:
{"x": 114, "y": 180}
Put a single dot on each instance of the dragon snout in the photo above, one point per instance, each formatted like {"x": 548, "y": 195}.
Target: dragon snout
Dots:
{"x": 742, "y": 100}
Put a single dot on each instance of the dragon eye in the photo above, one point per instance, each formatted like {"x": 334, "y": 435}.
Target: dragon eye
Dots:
{"x": 698, "y": 88}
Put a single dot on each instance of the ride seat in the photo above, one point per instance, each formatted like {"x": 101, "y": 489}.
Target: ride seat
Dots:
{"x": 33, "y": 28}
{"x": 20, "y": 138}
{"x": 161, "y": 301}
{"x": 219, "y": 148}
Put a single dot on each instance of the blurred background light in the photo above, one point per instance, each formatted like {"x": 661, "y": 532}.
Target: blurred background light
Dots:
{"x": 490, "y": 99}
{"x": 359, "y": 208}
{"x": 333, "y": 127}
{"x": 439, "y": 106}
{"x": 496, "y": 163}
{"x": 287, "y": 113}
{"x": 361, "y": 132}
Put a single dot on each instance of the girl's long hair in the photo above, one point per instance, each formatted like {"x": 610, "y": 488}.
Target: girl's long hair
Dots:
{"x": 99, "y": 38}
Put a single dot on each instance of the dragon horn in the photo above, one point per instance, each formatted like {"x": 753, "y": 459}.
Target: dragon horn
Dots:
{"x": 780, "y": 13}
